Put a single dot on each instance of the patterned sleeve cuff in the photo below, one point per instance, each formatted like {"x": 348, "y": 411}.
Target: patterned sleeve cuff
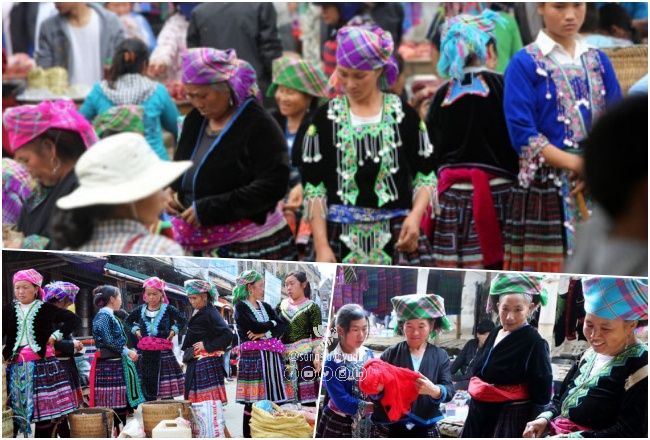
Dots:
{"x": 135, "y": 329}
{"x": 35, "y": 242}
{"x": 315, "y": 194}
{"x": 531, "y": 159}
{"x": 577, "y": 434}
{"x": 548, "y": 415}
{"x": 311, "y": 146}
{"x": 361, "y": 409}
{"x": 426, "y": 148}
{"x": 57, "y": 335}
{"x": 428, "y": 182}
{"x": 125, "y": 351}
{"x": 443, "y": 394}
{"x": 175, "y": 329}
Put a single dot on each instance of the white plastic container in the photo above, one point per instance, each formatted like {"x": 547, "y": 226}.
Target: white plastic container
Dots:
{"x": 170, "y": 429}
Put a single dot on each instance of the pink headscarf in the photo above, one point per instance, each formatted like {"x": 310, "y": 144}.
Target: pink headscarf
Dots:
{"x": 26, "y": 122}
{"x": 31, "y": 276}
{"x": 158, "y": 284}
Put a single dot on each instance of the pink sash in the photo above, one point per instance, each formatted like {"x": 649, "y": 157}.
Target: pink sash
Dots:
{"x": 272, "y": 344}
{"x": 150, "y": 343}
{"x": 28, "y": 355}
{"x": 210, "y": 237}
{"x": 562, "y": 425}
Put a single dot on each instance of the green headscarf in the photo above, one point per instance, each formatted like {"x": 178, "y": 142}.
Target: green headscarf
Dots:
{"x": 421, "y": 306}
{"x": 197, "y": 287}
{"x": 245, "y": 278}
{"x": 517, "y": 283}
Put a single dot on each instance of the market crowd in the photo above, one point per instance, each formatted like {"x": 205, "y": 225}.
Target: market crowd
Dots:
{"x": 303, "y": 142}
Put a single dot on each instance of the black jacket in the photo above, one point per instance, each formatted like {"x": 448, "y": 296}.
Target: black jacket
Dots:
{"x": 48, "y": 319}
{"x": 247, "y": 173}
{"x": 246, "y": 322}
{"x": 249, "y": 28}
{"x": 22, "y": 28}
{"x": 208, "y": 326}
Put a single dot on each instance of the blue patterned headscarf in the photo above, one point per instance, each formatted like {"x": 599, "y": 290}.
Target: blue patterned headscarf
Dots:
{"x": 462, "y": 36}
{"x": 613, "y": 298}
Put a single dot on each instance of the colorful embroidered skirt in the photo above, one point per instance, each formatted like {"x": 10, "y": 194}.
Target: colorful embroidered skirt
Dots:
{"x": 38, "y": 391}
{"x": 262, "y": 377}
{"x": 278, "y": 246}
{"x": 70, "y": 366}
{"x": 534, "y": 236}
{"x": 299, "y": 360}
{"x": 422, "y": 256}
{"x": 205, "y": 380}
{"x": 333, "y": 425}
{"x": 455, "y": 241}
{"x": 110, "y": 387}
{"x": 160, "y": 375}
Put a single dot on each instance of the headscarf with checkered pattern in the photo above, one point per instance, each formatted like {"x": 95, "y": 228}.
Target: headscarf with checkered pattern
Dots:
{"x": 612, "y": 298}
{"x": 421, "y": 306}
{"x": 295, "y": 73}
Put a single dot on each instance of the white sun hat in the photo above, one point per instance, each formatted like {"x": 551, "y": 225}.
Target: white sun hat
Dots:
{"x": 118, "y": 169}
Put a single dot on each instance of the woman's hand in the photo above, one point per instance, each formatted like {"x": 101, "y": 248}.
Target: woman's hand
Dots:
{"x": 138, "y": 334}
{"x": 254, "y": 336}
{"x": 189, "y": 215}
{"x": 171, "y": 202}
{"x": 133, "y": 355}
{"x": 325, "y": 254}
{"x": 51, "y": 341}
{"x": 408, "y": 236}
{"x": 78, "y": 346}
{"x": 157, "y": 70}
{"x": 294, "y": 201}
{"x": 535, "y": 428}
{"x": 198, "y": 346}
{"x": 428, "y": 388}
{"x": 171, "y": 335}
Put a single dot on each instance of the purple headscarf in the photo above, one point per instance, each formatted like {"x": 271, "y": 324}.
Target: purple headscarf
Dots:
{"x": 367, "y": 48}
{"x": 204, "y": 66}
{"x": 60, "y": 290}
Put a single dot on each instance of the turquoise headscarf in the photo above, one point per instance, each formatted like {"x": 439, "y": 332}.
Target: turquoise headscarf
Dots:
{"x": 245, "y": 278}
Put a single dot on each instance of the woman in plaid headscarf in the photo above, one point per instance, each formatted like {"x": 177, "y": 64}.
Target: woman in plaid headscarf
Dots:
{"x": 605, "y": 394}
{"x": 226, "y": 205}
{"x": 420, "y": 317}
{"x": 512, "y": 377}
{"x": 261, "y": 366}
{"x": 298, "y": 87}
{"x": 48, "y": 139}
{"x": 367, "y": 161}
{"x": 39, "y": 387}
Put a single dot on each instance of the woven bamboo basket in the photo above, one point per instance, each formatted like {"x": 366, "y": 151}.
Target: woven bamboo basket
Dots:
{"x": 7, "y": 424}
{"x": 91, "y": 423}
{"x": 154, "y": 412}
{"x": 630, "y": 64}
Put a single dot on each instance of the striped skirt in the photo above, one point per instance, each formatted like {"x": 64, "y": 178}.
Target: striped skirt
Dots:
{"x": 110, "y": 387}
{"x": 455, "y": 241}
{"x": 534, "y": 233}
{"x": 262, "y": 377}
{"x": 422, "y": 256}
{"x": 299, "y": 360}
{"x": 277, "y": 246}
{"x": 70, "y": 366}
{"x": 205, "y": 380}
{"x": 333, "y": 425}
{"x": 39, "y": 391}
{"x": 160, "y": 375}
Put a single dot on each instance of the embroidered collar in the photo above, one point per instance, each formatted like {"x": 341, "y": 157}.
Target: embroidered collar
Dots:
{"x": 152, "y": 324}
{"x": 291, "y": 311}
{"x": 549, "y": 46}
{"x": 26, "y": 325}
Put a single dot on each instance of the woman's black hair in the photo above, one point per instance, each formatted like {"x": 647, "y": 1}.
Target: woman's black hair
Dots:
{"x": 73, "y": 228}
{"x": 103, "y": 294}
{"x": 130, "y": 56}
{"x": 613, "y": 178}
{"x": 485, "y": 326}
{"x": 68, "y": 144}
{"x": 612, "y": 14}
{"x": 302, "y": 278}
{"x": 349, "y": 313}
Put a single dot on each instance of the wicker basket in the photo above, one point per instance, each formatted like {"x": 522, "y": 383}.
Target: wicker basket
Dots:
{"x": 7, "y": 424}
{"x": 91, "y": 423}
{"x": 630, "y": 64}
{"x": 154, "y": 412}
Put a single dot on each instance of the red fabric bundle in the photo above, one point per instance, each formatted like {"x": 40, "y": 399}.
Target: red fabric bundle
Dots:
{"x": 485, "y": 392}
{"x": 399, "y": 386}
{"x": 150, "y": 343}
